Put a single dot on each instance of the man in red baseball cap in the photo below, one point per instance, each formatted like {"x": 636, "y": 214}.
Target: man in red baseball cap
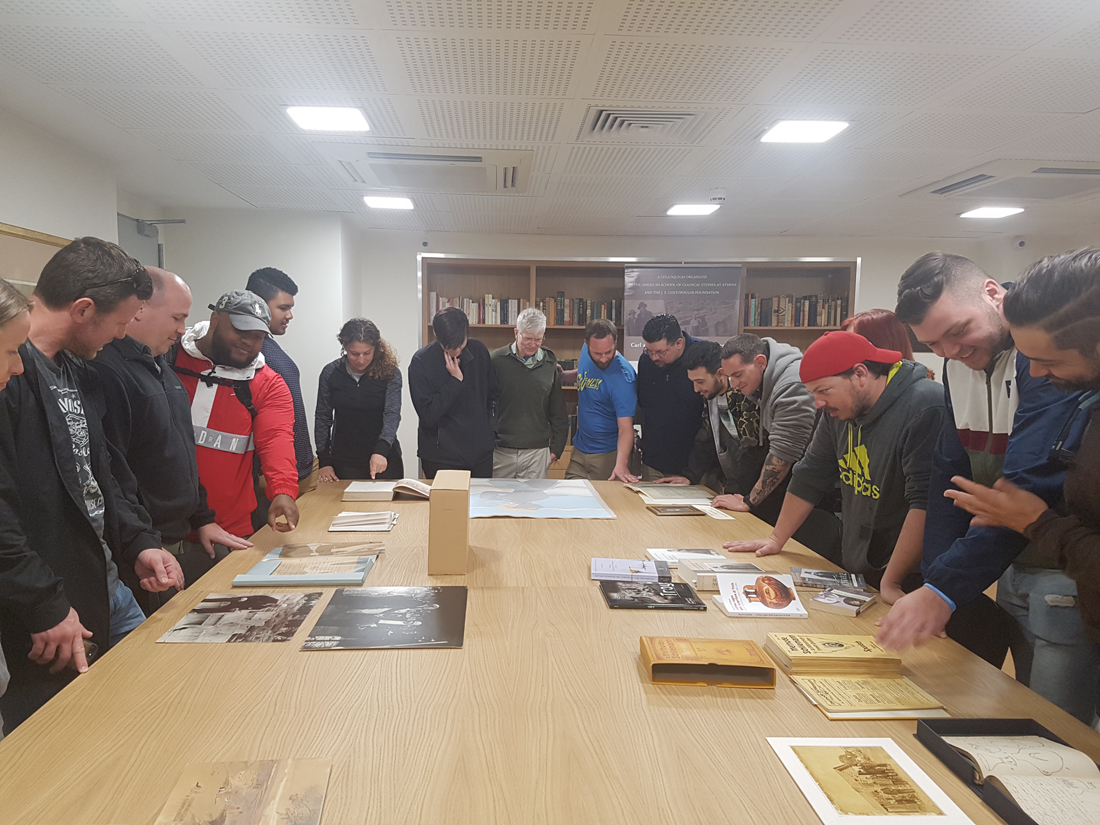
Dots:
{"x": 883, "y": 418}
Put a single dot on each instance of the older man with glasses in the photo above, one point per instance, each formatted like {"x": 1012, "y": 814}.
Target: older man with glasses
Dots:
{"x": 531, "y": 421}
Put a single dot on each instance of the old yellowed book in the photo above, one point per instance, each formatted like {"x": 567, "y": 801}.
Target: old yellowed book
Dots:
{"x": 842, "y": 696}
{"x": 837, "y": 655}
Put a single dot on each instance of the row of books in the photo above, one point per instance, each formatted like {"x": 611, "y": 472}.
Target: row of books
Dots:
{"x": 487, "y": 310}
{"x": 795, "y": 311}
{"x": 577, "y": 312}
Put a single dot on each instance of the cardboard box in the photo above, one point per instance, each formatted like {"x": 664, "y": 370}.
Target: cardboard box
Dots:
{"x": 449, "y": 523}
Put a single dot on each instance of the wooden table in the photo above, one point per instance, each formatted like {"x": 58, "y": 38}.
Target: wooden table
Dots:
{"x": 545, "y": 715}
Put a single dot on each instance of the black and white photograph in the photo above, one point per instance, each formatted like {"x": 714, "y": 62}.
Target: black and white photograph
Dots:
{"x": 667, "y": 595}
{"x": 391, "y": 617}
{"x": 250, "y": 617}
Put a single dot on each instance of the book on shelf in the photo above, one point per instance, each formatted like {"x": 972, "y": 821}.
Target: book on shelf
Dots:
{"x": 820, "y": 579}
{"x": 758, "y": 596}
{"x": 847, "y": 601}
{"x": 484, "y": 310}
{"x": 651, "y": 595}
{"x": 832, "y": 654}
{"x": 561, "y": 310}
{"x": 735, "y": 663}
{"x": 312, "y": 564}
{"x": 630, "y": 570}
{"x": 703, "y": 575}
{"x": 674, "y": 557}
{"x": 385, "y": 490}
{"x": 794, "y": 310}
{"x": 350, "y": 521}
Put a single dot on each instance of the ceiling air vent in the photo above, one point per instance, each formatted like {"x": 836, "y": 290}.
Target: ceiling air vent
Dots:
{"x": 1064, "y": 170}
{"x": 962, "y": 184}
{"x": 446, "y": 171}
{"x": 1017, "y": 182}
{"x": 603, "y": 124}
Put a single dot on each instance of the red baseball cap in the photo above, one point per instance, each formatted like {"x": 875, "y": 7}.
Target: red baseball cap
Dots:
{"x": 837, "y": 352}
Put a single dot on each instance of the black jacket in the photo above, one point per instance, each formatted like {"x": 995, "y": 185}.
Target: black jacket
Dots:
{"x": 148, "y": 421}
{"x": 50, "y": 556}
{"x": 456, "y": 420}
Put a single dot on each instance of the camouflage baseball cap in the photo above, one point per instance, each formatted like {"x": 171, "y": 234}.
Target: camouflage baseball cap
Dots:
{"x": 246, "y": 310}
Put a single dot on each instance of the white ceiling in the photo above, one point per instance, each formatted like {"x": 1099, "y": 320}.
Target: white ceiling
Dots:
{"x": 185, "y": 99}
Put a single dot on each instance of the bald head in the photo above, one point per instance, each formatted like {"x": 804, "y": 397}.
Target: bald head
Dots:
{"x": 163, "y": 318}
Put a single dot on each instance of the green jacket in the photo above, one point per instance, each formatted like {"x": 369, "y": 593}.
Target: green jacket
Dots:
{"x": 531, "y": 408}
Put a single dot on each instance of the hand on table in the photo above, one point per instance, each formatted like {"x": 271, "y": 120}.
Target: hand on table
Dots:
{"x": 284, "y": 506}
{"x": 326, "y": 475}
{"x": 622, "y": 474}
{"x": 674, "y": 480}
{"x": 1003, "y": 505}
{"x": 378, "y": 464}
{"x": 735, "y": 502}
{"x": 213, "y": 533}
{"x": 914, "y": 619}
{"x": 762, "y": 547}
{"x": 62, "y": 645}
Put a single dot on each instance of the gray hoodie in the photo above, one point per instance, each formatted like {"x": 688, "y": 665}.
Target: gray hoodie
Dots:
{"x": 882, "y": 461}
{"x": 786, "y": 407}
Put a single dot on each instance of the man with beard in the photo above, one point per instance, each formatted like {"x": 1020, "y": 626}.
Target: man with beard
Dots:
{"x": 1053, "y": 313}
{"x": 1000, "y": 421}
{"x": 239, "y": 405}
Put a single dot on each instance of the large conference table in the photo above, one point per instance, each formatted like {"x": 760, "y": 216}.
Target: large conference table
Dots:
{"x": 544, "y": 716}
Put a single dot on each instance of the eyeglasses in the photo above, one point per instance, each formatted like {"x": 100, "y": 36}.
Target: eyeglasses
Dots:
{"x": 135, "y": 278}
{"x": 658, "y": 354}
{"x": 531, "y": 339}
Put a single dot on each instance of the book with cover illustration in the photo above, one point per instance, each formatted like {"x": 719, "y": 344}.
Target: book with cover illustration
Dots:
{"x": 820, "y": 579}
{"x": 630, "y": 570}
{"x": 724, "y": 662}
{"x": 703, "y": 575}
{"x": 370, "y": 618}
{"x": 674, "y": 557}
{"x": 386, "y": 490}
{"x": 261, "y": 792}
{"x": 657, "y": 595}
{"x": 847, "y": 601}
{"x": 758, "y": 596}
{"x": 815, "y": 654}
{"x": 312, "y": 564}
{"x": 351, "y": 521}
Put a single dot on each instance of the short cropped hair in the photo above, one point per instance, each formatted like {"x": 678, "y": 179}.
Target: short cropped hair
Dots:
{"x": 531, "y": 320}
{"x": 1060, "y": 295}
{"x": 96, "y": 269}
{"x": 600, "y": 328}
{"x": 923, "y": 283}
{"x": 745, "y": 346}
{"x": 662, "y": 327}
{"x": 451, "y": 327}
{"x": 269, "y": 282}
{"x": 706, "y": 354}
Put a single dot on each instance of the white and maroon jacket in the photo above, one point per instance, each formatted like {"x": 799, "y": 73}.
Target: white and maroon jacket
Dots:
{"x": 226, "y": 434}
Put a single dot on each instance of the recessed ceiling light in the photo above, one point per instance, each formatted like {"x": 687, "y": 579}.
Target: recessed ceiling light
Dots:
{"x": 378, "y": 202}
{"x": 804, "y": 131}
{"x": 992, "y": 212}
{"x": 328, "y": 118}
{"x": 693, "y": 208}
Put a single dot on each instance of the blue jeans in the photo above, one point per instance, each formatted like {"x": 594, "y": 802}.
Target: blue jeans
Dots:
{"x": 1050, "y": 648}
{"x": 125, "y": 613}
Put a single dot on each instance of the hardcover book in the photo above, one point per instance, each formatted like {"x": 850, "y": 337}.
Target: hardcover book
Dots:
{"x": 674, "y": 557}
{"x": 724, "y": 662}
{"x": 385, "y": 490}
{"x": 674, "y": 510}
{"x": 756, "y": 596}
{"x": 629, "y": 570}
{"x": 312, "y": 564}
{"x": 820, "y": 579}
{"x": 653, "y": 595}
{"x": 837, "y": 655}
{"x": 391, "y": 617}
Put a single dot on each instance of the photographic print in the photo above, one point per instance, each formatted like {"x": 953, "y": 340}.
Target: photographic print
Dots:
{"x": 237, "y": 617}
{"x": 536, "y": 498}
{"x": 391, "y": 617}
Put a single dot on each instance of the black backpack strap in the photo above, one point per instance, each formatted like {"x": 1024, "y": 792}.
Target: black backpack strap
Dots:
{"x": 241, "y": 389}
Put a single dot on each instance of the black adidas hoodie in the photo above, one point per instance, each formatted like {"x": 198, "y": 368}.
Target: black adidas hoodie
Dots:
{"x": 882, "y": 462}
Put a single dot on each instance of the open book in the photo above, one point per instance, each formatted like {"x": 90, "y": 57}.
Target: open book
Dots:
{"x": 385, "y": 490}
{"x": 1052, "y": 783}
{"x": 654, "y": 493}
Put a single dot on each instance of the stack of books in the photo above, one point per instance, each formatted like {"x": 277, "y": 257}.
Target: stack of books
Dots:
{"x": 838, "y": 591}
{"x": 629, "y": 570}
{"x": 350, "y": 521}
{"x": 810, "y": 654}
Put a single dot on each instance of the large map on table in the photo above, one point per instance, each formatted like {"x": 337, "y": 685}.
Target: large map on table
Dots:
{"x": 537, "y": 498}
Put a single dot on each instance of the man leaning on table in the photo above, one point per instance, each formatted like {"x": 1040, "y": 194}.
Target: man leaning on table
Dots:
{"x": 883, "y": 416}
{"x": 65, "y": 525}
{"x": 532, "y": 424}
{"x": 606, "y": 399}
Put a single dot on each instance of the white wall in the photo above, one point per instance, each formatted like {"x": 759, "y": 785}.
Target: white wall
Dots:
{"x": 52, "y": 187}
{"x": 217, "y": 249}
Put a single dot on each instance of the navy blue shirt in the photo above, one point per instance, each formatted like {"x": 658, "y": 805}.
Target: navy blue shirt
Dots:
{"x": 285, "y": 366}
{"x": 672, "y": 412}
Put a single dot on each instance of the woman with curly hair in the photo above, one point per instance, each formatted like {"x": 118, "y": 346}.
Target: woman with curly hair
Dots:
{"x": 359, "y": 408}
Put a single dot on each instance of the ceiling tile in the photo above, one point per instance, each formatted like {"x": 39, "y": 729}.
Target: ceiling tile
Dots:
{"x": 751, "y": 126}
{"x": 289, "y": 60}
{"x": 304, "y": 147}
{"x": 278, "y": 12}
{"x": 54, "y": 54}
{"x": 978, "y": 131}
{"x": 214, "y": 148}
{"x": 545, "y": 15}
{"x": 307, "y": 200}
{"x": 379, "y": 111}
{"x": 883, "y": 78}
{"x": 683, "y": 72}
{"x": 1086, "y": 39}
{"x": 1078, "y": 139}
{"x": 234, "y": 175}
{"x": 499, "y": 67}
{"x": 495, "y": 120}
{"x": 859, "y": 164}
{"x": 763, "y": 160}
{"x": 623, "y": 160}
{"x": 786, "y": 19}
{"x": 600, "y": 207}
{"x": 496, "y": 204}
{"x": 160, "y": 108}
{"x": 997, "y": 24}
{"x": 1041, "y": 83}
{"x": 627, "y": 186}
{"x": 75, "y": 9}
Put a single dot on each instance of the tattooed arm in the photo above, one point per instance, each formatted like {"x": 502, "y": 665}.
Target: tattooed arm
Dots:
{"x": 772, "y": 474}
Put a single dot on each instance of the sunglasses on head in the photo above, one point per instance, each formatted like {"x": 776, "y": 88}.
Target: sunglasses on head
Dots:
{"x": 134, "y": 278}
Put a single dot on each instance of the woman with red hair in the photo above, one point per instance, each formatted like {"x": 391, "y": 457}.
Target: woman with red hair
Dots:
{"x": 883, "y": 329}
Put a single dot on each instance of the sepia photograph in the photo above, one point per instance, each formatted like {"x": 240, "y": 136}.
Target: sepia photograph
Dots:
{"x": 235, "y": 617}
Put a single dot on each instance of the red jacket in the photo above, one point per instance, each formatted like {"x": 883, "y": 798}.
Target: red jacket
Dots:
{"x": 226, "y": 434}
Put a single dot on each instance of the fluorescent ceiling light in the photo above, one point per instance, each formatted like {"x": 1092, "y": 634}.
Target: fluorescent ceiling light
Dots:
{"x": 693, "y": 208}
{"x": 378, "y": 202}
{"x": 328, "y": 118}
{"x": 992, "y": 212}
{"x": 804, "y": 131}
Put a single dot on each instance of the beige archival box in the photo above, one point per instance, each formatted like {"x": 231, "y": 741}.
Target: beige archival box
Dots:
{"x": 449, "y": 523}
